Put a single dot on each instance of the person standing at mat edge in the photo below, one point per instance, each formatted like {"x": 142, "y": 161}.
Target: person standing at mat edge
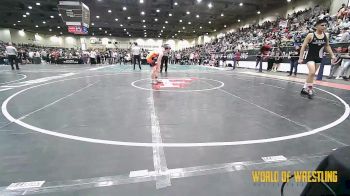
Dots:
{"x": 154, "y": 58}
{"x": 317, "y": 42}
{"x": 12, "y": 55}
{"x": 136, "y": 52}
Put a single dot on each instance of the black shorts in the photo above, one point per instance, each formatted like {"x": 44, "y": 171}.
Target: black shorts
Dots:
{"x": 278, "y": 61}
{"x": 316, "y": 60}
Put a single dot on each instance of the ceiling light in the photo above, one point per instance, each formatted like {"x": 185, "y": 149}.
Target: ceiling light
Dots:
{"x": 116, "y": 19}
{"x": 210, "y": 5}
{"x": 163, "y": 27}
{"x": 142, "y": 13}
{"x": 92, "y": 24}
{"x": 188, "y": 12}
{"x": 129, "y": 35}
{"x": 198, "y": 1}
{"x": 289, "y": 1}
{"x": 161, "y": 31}
{"x": 124, "y": 8}
{"x": 143, "y": 21}
{"x": 170, "y": 14}
{"x": 141, "y": 1}
{"x": 60, "y": 14}
{"x": 93, "y": 33}
{"x": 58, "y": 27}
{"x": 179, "y": 31}
{"x": 30, "y": 7}
{"x": 241, "y": 4}
{"x": 109, "y": 11}
{"x": 176, "y": 3}
{"x": 166, "y": 22}
{"x": 183, "y": 27}
{"x": 180, "y": 20}
{"x": 224, "y": 26}
{"x": 156, "y": 19}
{"x": 144, "y": 26}
{"x": 106, "y": 32}
{"x": 206, "y": 33}
{"x": 258, "y": 12}
{"x": 97, "y": 16}
{"x": 194, "y": 31}
{"x": 14, "y": 24}
{"x": 172, "y": 36}
{"x": 222, "y": 14}
{"x": 110, "y": 34}
{"x": 100, "y": 28}
{"x": 19, "y": 21}
{"x": 124, "y": 29}
{"x": 144, "y": 30}
{"x": 37, "y": 4}
{"x": 129, "y": 17}
{"x": 44, "y": 22}
{"x": 50, "y": 30}
{"x": 24, "y": 16}
{"x": 158, "y": 10}
{"x": 121, "y": 25}
{"x": 61, "y": 33}
{"x": 238, "y": 20}
{"x": 189, "y": 23}
{"x": 27, "y": 13}
{"x": 209, "y": 22}
{"x": 197, "y": 16}
{"x": 214, "y": 30}
{"x": 175, "y": 33}
{"x": 36, "y": 26}
{"x": 52, "y": 17}
{"x": 200, "y": 27}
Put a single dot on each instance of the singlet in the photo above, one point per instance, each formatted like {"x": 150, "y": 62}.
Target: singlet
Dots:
{"x": 152, "y": 55}
{"x": 316, "y": 47}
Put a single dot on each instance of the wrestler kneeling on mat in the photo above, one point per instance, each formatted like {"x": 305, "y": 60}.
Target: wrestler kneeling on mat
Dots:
{"x": 317, "y": 42}
{"x": 154, "y": 58}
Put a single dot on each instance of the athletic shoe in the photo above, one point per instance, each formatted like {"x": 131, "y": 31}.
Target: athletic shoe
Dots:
{"x": 304, "y": 92}
{"x": 311, "y": 94}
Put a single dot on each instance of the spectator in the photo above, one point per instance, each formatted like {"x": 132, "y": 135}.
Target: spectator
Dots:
{"x": 345, "y": 36}
{"x": 294, "y": 56}
{"x": 278, "y": 60}
{"x": 93, "y": 57}
{"x": 344, "y": 73}
{"x": 335, "y": 66}
{"x": 271, "y": 60}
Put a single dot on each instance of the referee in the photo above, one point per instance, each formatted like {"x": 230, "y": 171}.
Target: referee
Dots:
{"x": 12, "y": 55}
{"x": 136, "y": 52}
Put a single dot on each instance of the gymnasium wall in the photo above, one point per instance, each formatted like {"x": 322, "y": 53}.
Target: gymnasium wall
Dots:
{"x": 19, "y": 36}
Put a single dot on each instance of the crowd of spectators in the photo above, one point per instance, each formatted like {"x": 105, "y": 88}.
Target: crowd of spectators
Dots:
{"x": 33, "y": 54}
